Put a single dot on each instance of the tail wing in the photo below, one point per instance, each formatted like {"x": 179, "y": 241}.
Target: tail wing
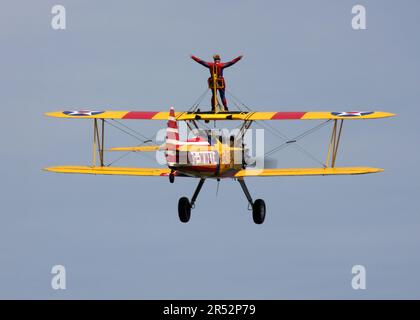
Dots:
{"x": 172, "y": 138}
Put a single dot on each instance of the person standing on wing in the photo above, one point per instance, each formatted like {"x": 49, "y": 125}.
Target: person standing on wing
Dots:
{"x": 216, "y": 72}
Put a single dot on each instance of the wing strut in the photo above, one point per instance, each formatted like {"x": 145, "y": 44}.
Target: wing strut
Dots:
{"x": 98, "y": 142}
{"x": 334, "y": 143}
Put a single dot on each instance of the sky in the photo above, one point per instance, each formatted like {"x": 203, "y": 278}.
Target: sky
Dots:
{"x": 120, "y": 237}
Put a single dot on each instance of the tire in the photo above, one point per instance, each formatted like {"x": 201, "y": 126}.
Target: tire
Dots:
{"x": 184, "y": 209}
{"x": 258, "y": 211}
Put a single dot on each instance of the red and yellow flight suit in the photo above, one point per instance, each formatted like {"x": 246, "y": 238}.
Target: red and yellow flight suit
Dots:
{"x": 216, "y": 68}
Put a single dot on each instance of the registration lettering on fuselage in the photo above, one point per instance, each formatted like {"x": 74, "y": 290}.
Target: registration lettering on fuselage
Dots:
{"x": 203, "y": 157}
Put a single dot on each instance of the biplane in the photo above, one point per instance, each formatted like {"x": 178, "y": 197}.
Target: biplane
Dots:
{"x": 207, "y": 155}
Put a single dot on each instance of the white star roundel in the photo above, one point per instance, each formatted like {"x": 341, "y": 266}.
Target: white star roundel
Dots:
{"x": 351, "y": 113}
{"x": 82, "y": 113}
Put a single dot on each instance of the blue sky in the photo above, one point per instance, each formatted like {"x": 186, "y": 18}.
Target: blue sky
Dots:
{"x": 119, "y": 237}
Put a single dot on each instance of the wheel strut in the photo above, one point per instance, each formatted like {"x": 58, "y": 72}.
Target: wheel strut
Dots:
{"x": 245, "y": 190}
{"x": 197, "y": 191}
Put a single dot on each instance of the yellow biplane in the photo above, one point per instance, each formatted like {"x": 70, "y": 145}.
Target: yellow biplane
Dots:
{"x": 207, "y": 155}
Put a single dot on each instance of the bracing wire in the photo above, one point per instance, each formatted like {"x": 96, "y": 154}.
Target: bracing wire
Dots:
{"x": 198, "y": 101}
{"x": 147, "y": 140}
{"x": 297, "y": 138}
{"x": 135, "y": 135}
{"x": 277, "y": 132}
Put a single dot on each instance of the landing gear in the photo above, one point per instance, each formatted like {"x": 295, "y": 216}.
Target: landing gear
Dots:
{"x": 185, "y": 206}
{"x": 258, "y": 207}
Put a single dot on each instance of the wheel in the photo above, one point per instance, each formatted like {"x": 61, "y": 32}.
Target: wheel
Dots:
{"x": 258, "y": 211}
{"x": 184, "y": 209}
{"x": 171, "y": 178}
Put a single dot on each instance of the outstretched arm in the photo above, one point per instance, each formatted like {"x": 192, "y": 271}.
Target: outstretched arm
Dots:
{"x": 232, "y": 62}
{"x": 202, "y": 62}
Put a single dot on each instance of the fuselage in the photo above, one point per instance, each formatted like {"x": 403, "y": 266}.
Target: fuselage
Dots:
{"x": 199, "y": 157}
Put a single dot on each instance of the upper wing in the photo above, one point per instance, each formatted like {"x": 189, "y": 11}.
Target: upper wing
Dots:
{"x": 163, "y": 115}
{"x": 304, "y": 171}
{"x": 152, "y": 172}
{"x": 319, "y": 115}
{"x": 91, "y": 114}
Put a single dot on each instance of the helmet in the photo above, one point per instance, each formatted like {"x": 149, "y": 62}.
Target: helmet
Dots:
{"x": 216, "y": 57}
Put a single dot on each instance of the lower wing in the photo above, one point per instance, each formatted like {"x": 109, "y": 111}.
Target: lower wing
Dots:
{"x": 304, "y": 172}
{"x": 139, "y": 148}
{"x": 123, "y": 171}
{"x": 154, "y": 172}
